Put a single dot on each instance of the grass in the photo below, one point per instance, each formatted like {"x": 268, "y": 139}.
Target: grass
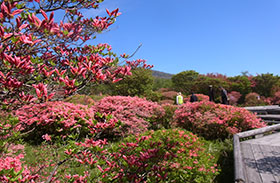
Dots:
{"x": 224, "y": 152}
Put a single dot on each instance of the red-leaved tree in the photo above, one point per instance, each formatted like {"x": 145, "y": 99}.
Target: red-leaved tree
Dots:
{"x": 42, "y": 52}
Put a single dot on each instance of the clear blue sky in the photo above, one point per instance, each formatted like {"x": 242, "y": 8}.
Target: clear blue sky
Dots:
{"x": 208, "y": 36}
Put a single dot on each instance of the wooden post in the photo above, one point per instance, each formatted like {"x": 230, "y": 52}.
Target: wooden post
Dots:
{"x": 238, "y": 163}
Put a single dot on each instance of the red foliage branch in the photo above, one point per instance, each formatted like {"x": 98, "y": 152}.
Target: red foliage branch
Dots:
{"x": 39, "y": 52}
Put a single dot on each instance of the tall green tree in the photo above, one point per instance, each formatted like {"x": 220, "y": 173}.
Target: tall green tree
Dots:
{"x": 240, "y": 84}
{"x": 161, "y": 83}
{"x": 265, "y": 83}
{"x": 138, "y": 84}
{"x": 185, "y": 81}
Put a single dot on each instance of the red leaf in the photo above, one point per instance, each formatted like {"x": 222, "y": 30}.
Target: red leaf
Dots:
{"x": 44, "y": 14}
{"x": 17, "y": 11}
{"x": 4, "y": 8}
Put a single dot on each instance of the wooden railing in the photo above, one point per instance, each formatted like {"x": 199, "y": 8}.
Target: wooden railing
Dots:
{"x": 270, "y": 114}
{"x": 238, "y": 160}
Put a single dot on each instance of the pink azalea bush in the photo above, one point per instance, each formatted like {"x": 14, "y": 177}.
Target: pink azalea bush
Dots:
{"x": 215, "y": 121}
{"x": 12, "y": 168}
{"x": 61, "y": 118}
{"x": 254, "y": 99}
{"x": 166, "y": 102}
{"x": 234, "y": 96}
{"x": 137, "y": 114}
{"x": 169, "y": 95}
{"x": 172, "y": 155}
{"x": 276, "y": 98}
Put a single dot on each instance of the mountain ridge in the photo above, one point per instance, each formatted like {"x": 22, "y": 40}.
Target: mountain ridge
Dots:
{"x": 160, "y": 74}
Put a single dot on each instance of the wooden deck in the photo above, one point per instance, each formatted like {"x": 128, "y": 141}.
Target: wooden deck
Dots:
{"x": 257, "y": 160}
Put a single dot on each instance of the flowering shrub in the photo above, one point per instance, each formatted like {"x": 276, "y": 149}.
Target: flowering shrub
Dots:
{"x": 80, "y": 99}
{"x": 162, "y": 156}
{"x": 12, "y": 168}
{"x": 137, "y": 114}
{"x": 61, "y": 118}
{"x": 276, "y": 98}
{"x": 170, "y": 95}
{"x": 254, "y": 99}
{"x": 200, "y": 97}
{"x": 166, "y": 102}
{"x": 234, "y": 97}
{"x": 215, "y": 121}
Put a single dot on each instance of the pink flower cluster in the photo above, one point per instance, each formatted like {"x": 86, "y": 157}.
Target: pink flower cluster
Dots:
{"x": 11, "y": 162}
{"x": 67, "y": 114}
{"x": 215, "y": 120}
{"x": 137, "y": 114}
{"x": 61, "y": 116}
{"x": 12, "y": 170}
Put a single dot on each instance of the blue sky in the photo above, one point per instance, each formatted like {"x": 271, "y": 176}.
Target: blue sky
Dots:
{"x": 208, "y": 36}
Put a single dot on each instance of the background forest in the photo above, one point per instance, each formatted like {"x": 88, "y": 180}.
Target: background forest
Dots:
{"x": 243, "y": 90}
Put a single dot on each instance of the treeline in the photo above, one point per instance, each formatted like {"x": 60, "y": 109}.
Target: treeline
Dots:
{"x": 244, "y": 89}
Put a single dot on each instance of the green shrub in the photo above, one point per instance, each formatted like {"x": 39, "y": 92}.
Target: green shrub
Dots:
{"x": 153, "y": 96}
{"x": 165, "y": 121}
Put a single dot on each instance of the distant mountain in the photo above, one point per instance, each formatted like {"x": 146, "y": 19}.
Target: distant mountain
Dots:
{"x": 159, "y": 74}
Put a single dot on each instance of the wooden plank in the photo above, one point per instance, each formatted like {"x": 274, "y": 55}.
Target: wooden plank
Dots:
{"x": 272, "y": 159}
{"x": 273, "y": 111}
{"x": 250, "y": 165}
{"x": 238, "y": 164}
{"x": 276, "y": 154}
{"x": 270, "y": 117}
{"x": 271, "y": 139}
{"x": 268, "y": 107}
{"x": 258, "y": 131}
{"x": 271, "y": 122}
{"x": 264, "y": 168}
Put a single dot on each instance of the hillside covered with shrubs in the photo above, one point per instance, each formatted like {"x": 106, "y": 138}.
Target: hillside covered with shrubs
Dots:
{"x": 120, "y": 138}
